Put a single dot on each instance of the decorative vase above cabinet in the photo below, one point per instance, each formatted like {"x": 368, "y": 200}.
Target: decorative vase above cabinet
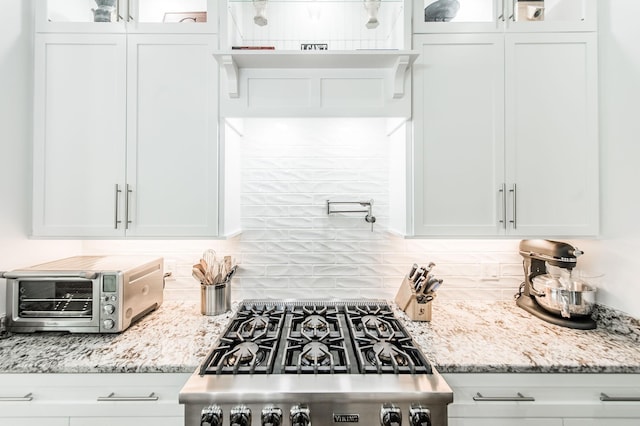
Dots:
{"x": 141, "y": 16}
{"x": 463, "y": 16}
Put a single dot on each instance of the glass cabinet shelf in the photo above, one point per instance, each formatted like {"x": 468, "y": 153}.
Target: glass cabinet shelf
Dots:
{"x": 433, "y": 16}
{"x": 316, "y": 24}
{"x": 126, "y": 15}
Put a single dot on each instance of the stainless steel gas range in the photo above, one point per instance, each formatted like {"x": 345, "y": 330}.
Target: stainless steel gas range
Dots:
{"x": 324, "y": 363}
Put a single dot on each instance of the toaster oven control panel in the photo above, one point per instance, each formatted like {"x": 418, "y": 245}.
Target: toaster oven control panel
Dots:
{"x": 109, "y": 303}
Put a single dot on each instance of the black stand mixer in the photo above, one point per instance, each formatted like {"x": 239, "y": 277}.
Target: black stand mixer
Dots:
{"x": 544, "y": 304}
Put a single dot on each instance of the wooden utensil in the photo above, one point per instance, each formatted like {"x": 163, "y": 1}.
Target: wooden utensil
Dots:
{"x": 198, "y": 275}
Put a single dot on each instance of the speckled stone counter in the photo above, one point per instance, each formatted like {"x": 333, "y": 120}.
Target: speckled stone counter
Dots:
{"x": 463, "y": 337}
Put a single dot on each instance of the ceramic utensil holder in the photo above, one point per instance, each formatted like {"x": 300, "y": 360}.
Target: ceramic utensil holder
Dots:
{"x": 215, "y": 299}
{"x": 407, "y": 300}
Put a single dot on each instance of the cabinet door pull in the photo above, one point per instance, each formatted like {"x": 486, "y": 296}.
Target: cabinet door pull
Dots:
{"x": 113, "y": 397}
{"x": 606, "y": 398}
{"x": 126, "y": 207}
{"x": 512, "y": 17}
{"x": 514, "y": 192}
{"x": 503, "y": 200}
{"x": 501, "y": 16}
{"x": 520, "y": 397}
{"x": 117, "y": 221}
{"x": 28, "y": 397}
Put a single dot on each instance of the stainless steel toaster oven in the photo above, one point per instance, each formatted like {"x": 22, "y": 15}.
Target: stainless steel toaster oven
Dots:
{"x": 84, "y": 294}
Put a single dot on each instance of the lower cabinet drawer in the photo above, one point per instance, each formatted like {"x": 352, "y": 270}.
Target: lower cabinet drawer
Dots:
{"x": 601, "y": 422}
{"x": 26, "y": 421}
{"x": 126, "y": 421}
{"x": 504, "y": 422}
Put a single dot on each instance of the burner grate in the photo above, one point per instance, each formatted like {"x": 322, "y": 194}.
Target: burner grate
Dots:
{"x": 311, "y": 337}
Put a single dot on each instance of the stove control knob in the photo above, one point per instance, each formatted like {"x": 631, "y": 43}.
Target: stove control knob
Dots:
{"x": 109, "y": 309}
{"x": 271, "y": 416}
{"x": 300, "y": 415}
{"x": 108, "y": 324}
{"x": 390, "y": 415}
{"x": 240, "y": 416}
{"x": 419, "y": 415}
{"x": 211, "y": 416}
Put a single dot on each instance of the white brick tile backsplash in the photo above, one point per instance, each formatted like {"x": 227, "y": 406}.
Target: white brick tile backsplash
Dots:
{"x": 354, "y": 258}
{"x": 336, "y": 246}
{"x": 359, "y": 282}
{"x": 335, "y": 270}
{"x": 261, "y": 211}
{"x": 291, "y": 248}
{"x": 290, "y": 270}
{"x": 312, "y": 258}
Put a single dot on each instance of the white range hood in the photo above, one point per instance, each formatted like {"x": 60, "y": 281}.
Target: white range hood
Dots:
{"x": 270, "y": 66}
{"x": 361, "y": 83}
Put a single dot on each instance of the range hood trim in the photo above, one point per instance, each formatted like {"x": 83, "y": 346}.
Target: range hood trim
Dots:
{"x": 397, "y": 61}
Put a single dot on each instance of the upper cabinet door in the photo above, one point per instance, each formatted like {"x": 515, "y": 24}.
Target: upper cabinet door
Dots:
{"x": 79, "y": 135}
{"x": 172, "y": 142}
{"x": 149, "y": 16}
{"x": 451, "y": 16}
{"x": 458, "y": 118}
{"x": 552, "y": 134}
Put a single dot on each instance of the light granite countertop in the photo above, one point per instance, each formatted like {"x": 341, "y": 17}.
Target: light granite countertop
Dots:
{"x": 463, "y": 337}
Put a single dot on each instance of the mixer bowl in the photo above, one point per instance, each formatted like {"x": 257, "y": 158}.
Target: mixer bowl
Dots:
{"x": 569, "y": 298}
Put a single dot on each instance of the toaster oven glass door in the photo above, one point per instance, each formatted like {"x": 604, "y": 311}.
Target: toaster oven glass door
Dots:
{"x": 56, "y": 299}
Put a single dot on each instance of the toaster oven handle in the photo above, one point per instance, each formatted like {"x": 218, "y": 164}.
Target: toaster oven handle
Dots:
{"x": 48, "y": 274}
{"x": 113, "y": 397}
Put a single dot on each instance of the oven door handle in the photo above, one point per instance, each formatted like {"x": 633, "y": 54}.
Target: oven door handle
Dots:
{"x": 49, "y": 274}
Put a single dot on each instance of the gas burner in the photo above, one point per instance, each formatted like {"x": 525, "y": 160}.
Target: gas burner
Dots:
{"x": 386, "y": 353}
{"x": 245, "y": 353}
{"x": 373, "y": 322}
{"x": 259, "y": 322}
{"x": 316, "y": 353}
{"x": 315, "y": 326}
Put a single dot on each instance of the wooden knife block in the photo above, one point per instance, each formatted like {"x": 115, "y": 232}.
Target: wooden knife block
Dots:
{"x": 407, "y": 301}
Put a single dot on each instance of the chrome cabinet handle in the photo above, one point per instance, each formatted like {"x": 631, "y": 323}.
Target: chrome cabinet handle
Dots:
{"x": 606, "y": 398}
{"x": 130, "y": 18}
{"x": 28, "y": 397}
{"x": 117, "y": 221}
{"x": 113, "y": 397}
{"x": 126, "y": 208}
{"x": 520, "y": 397}
{"x": 501, "y": 17}
{"x": 503, "y": 198}
{"x": 512, "y": 17}
{"x": 514, "y": 221}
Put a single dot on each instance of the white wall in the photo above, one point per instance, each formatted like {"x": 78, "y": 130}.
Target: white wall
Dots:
{"x": 617, "y": 253}
{"x": 16, "y": 64}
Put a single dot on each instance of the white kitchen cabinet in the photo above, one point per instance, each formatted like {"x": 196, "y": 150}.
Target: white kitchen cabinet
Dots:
{"x": 505, "y": 422}
{"x": 600, "y": 422}
{"x": 543, "y": 399}
{"x": 51, "y": 421}
{"x": 144, "y": 399}
{"x": 504, "y": 16}
{"x": 143, "y": 16}
{"x": 125, "y": 139}
{"x": 505, "y": 135}
{"x": 126, "y": 421}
